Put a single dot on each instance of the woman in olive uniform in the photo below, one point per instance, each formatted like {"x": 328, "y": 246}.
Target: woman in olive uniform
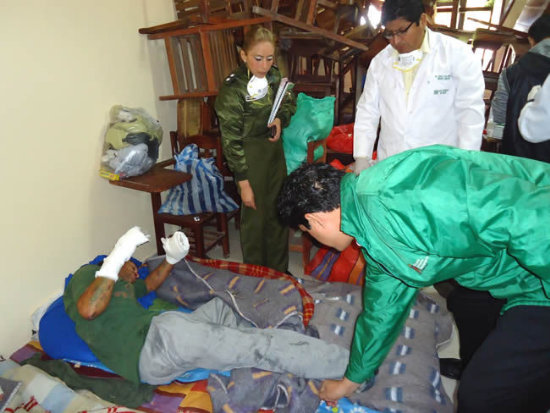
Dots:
{"x": 255, "y": 157}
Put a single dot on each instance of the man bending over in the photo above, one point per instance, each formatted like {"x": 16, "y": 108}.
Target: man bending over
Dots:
{"x": 433, "y": 214}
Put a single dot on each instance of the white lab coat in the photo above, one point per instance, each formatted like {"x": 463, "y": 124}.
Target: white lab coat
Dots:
{"x": 445, "y": 103}
{"x": 534, "y": 120}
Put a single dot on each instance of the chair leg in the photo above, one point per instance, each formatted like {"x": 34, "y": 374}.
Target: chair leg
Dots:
{"x": 225, "y": 229}
{"x": 237, "y": 218}
{"x": 306, "y": 249}
{"x": 199, "y": 242}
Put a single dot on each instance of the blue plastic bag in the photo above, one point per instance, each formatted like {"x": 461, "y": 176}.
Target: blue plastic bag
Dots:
{"x": 203, "y": 193}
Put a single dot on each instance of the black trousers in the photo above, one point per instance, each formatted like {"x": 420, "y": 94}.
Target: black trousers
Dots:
{"x": 475, "y": 313}
{"x": 510, "y": 371}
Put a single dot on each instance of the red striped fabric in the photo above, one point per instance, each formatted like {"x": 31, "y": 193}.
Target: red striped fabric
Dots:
{"x": 264, "y": 272}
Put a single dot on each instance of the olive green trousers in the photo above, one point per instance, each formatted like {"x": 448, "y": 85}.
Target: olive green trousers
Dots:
{"x": 264, "y": 240}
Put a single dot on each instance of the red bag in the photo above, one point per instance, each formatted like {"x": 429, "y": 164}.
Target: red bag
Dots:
{"x": 330, "y": 265}
{"x": 340, "y": 138}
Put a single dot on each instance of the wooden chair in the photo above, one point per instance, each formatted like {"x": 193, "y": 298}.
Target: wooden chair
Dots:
{"x": 205, "y": 230}
{"x": 306, "y": 242}
{"x": 208, "y": 125}
{"x": 498, "y": 44}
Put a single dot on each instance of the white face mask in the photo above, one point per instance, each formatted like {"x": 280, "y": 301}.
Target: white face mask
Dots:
{"x": 408, "y": 61}
{"x": 257, "y": 88}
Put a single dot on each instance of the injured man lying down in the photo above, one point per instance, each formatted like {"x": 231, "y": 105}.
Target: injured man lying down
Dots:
{"x": 249, "y": 325}
{"x": 142, "y": 345}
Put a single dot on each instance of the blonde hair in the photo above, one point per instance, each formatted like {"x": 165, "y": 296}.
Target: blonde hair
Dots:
{"x": 255, "y": 35}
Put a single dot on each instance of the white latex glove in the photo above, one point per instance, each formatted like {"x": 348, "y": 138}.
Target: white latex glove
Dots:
{"x": 122, "y": 252}
{"x": 533, "y": 92}
{"x": 361, "y": 164}
{"x": 176, "y": 247}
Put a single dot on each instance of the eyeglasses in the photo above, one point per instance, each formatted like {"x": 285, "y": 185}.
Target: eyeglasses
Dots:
{"x": 388, "y": 35}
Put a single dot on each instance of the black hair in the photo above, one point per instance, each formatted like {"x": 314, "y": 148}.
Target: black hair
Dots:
{"x": 410, "y": 10}
{"x": 310, "y": 188}
{"x": 540, "y": 29}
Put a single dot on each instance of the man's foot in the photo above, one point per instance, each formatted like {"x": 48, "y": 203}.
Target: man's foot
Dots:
{"x": 451, "y": 368}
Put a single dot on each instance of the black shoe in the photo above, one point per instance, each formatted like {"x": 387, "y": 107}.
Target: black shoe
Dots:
{"x": 451, "y": 368}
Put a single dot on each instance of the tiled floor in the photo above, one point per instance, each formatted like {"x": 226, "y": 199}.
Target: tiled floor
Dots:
{"x": 449, "y": 349}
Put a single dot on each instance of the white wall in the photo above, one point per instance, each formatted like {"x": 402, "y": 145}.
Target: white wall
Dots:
{"x": 63, "y": 64}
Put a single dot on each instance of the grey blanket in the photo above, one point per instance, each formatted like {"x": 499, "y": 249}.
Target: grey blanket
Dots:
{"x": 407, "y": 381}
{"x": 263, "y": 302}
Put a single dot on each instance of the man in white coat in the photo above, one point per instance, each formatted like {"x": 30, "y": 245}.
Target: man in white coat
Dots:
{"x": 424, "y": 88}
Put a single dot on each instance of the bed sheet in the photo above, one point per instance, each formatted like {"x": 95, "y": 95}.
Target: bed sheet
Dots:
{"x": 394, "y": 386}
{"x": 176, "y": 397}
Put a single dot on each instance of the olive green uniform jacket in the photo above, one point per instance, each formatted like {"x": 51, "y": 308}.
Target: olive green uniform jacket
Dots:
{"x": 438, "y": 213}
{"x": 251, "y": 156}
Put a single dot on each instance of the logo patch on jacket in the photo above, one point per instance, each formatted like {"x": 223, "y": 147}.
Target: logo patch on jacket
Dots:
{"x": 420, "y": 264}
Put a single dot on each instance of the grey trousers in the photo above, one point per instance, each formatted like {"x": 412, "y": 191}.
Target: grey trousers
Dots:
{"x": 214, "y": 337}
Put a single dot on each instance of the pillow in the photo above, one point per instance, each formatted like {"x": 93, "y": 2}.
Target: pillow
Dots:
{"x": 203, "y": 193}
{"x": 58, "y": 337}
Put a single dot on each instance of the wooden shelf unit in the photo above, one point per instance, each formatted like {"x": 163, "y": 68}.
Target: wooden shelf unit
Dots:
{"x": 200, "y": 57}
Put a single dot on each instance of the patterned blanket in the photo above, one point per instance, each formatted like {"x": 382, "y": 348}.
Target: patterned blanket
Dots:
{"x": 54, "y": 396}
{"x": 266, "y": 303}
{"x": 408, "y": 381}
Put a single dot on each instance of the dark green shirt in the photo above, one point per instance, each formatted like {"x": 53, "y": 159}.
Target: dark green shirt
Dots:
{"x": 117, "y": 335}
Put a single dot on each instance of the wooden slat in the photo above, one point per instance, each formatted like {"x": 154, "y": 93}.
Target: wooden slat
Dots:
{"x": 311, "y": 11}
{"x": 172, "y": 65}
{"x": 309, "y": 28}
{"x": 208, "y": 63}
{"x": 454, "y": 16}
{"x": 201, "y": 76}
{"x": 187, "y": 66}
{"x": 227, "y": 24}
{"x": 182, "y": 23}
{"x": 205, "y": 93}
{"x": 499, "y": 27}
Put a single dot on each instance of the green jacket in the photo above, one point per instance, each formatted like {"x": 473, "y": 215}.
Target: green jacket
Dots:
{"x": 241, "y": 119}
{"x": 439, "y": 213}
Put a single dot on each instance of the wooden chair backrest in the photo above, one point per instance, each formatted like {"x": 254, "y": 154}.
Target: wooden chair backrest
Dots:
{"x": 312, "y": 146}
{"x": 210, "y": 146}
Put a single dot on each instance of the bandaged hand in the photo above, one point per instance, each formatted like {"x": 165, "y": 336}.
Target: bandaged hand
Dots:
{"x": 176, "y": 247}
{"x": 362, "y": 163}
{"x": 122, "y": 252}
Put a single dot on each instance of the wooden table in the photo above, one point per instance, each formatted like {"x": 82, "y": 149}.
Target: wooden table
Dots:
{"x": 158, "y": 179}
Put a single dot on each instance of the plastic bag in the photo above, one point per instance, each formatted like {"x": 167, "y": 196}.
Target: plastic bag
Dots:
{"x": 131, "y": 143}
{"x": 341, "y": 138}
{"x": 203, "y": 193}
{"x": 312, "y": 121}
